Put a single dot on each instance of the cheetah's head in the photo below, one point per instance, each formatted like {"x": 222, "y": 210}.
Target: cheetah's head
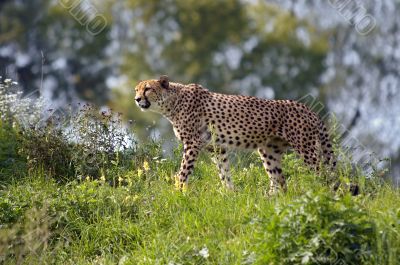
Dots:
{"x": 151, "y": 94}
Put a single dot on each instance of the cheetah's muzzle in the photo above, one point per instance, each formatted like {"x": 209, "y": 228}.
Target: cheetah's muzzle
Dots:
{"x": 143, "y": 104}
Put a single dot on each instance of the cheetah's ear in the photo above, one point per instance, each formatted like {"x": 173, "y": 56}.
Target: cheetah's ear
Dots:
{"x": 164, "y": 81}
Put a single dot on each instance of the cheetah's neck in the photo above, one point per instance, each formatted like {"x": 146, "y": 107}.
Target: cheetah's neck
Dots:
{"x": 170, "y": 106}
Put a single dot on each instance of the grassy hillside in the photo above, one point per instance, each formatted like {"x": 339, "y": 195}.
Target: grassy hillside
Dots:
{"x": 79, "y": 190}
{"x": 139, "y": 218}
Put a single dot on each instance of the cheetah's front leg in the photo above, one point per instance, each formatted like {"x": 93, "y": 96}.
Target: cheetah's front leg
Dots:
{"x": 190, "y": 154}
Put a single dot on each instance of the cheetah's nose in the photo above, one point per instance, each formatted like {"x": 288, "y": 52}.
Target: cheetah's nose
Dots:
{"x": 138, "y": 99}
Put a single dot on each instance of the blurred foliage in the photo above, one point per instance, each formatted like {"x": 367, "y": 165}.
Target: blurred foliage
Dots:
{"x": 40, "y": 37}
{"x": 224, "y": 45}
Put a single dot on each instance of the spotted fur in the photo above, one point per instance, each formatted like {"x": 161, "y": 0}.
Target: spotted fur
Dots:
{"x": 217, "y": 122}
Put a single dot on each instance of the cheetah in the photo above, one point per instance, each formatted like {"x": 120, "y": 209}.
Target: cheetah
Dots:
{"x": 218, "y": 123}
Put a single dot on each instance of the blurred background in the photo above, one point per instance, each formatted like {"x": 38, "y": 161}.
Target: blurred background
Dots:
{"x": 343, "y": 53}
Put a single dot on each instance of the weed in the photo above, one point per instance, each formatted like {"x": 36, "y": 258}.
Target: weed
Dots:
{"x": 317, "y": 229}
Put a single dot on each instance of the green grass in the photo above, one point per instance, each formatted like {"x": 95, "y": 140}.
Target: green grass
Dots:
{"x": 145, "y": 221}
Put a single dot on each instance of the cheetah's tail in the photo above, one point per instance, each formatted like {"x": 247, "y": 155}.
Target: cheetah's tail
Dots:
{"x": 330, "y": 160}
{"x": 326, "y": 146}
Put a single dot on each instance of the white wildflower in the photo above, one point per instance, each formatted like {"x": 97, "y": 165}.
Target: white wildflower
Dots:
{"x": 204, "y": 252}
{"x": 14, "y": 105}
{"x": 250, "y": 257}
{"x": 123, "y": 260}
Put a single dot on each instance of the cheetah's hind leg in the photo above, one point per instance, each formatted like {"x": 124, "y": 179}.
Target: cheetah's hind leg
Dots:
{"x": 271, "y": 156}
{"x": 220, "y": 158}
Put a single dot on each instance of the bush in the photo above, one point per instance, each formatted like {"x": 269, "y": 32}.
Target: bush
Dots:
{"x": 46, "y": 147}
{"x": 26, "y": 239}
{"x": 10, "y": 161}
{"x": 317, "y": 229}
{"x": 12, "y": 108}
{"x": 102, "y": 141}
{"x": 84, "y": 143}
{"x": 40, "y": 218}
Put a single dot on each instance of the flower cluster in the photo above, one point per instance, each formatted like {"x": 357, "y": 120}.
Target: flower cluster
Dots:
{"x": 15, "y": 107}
